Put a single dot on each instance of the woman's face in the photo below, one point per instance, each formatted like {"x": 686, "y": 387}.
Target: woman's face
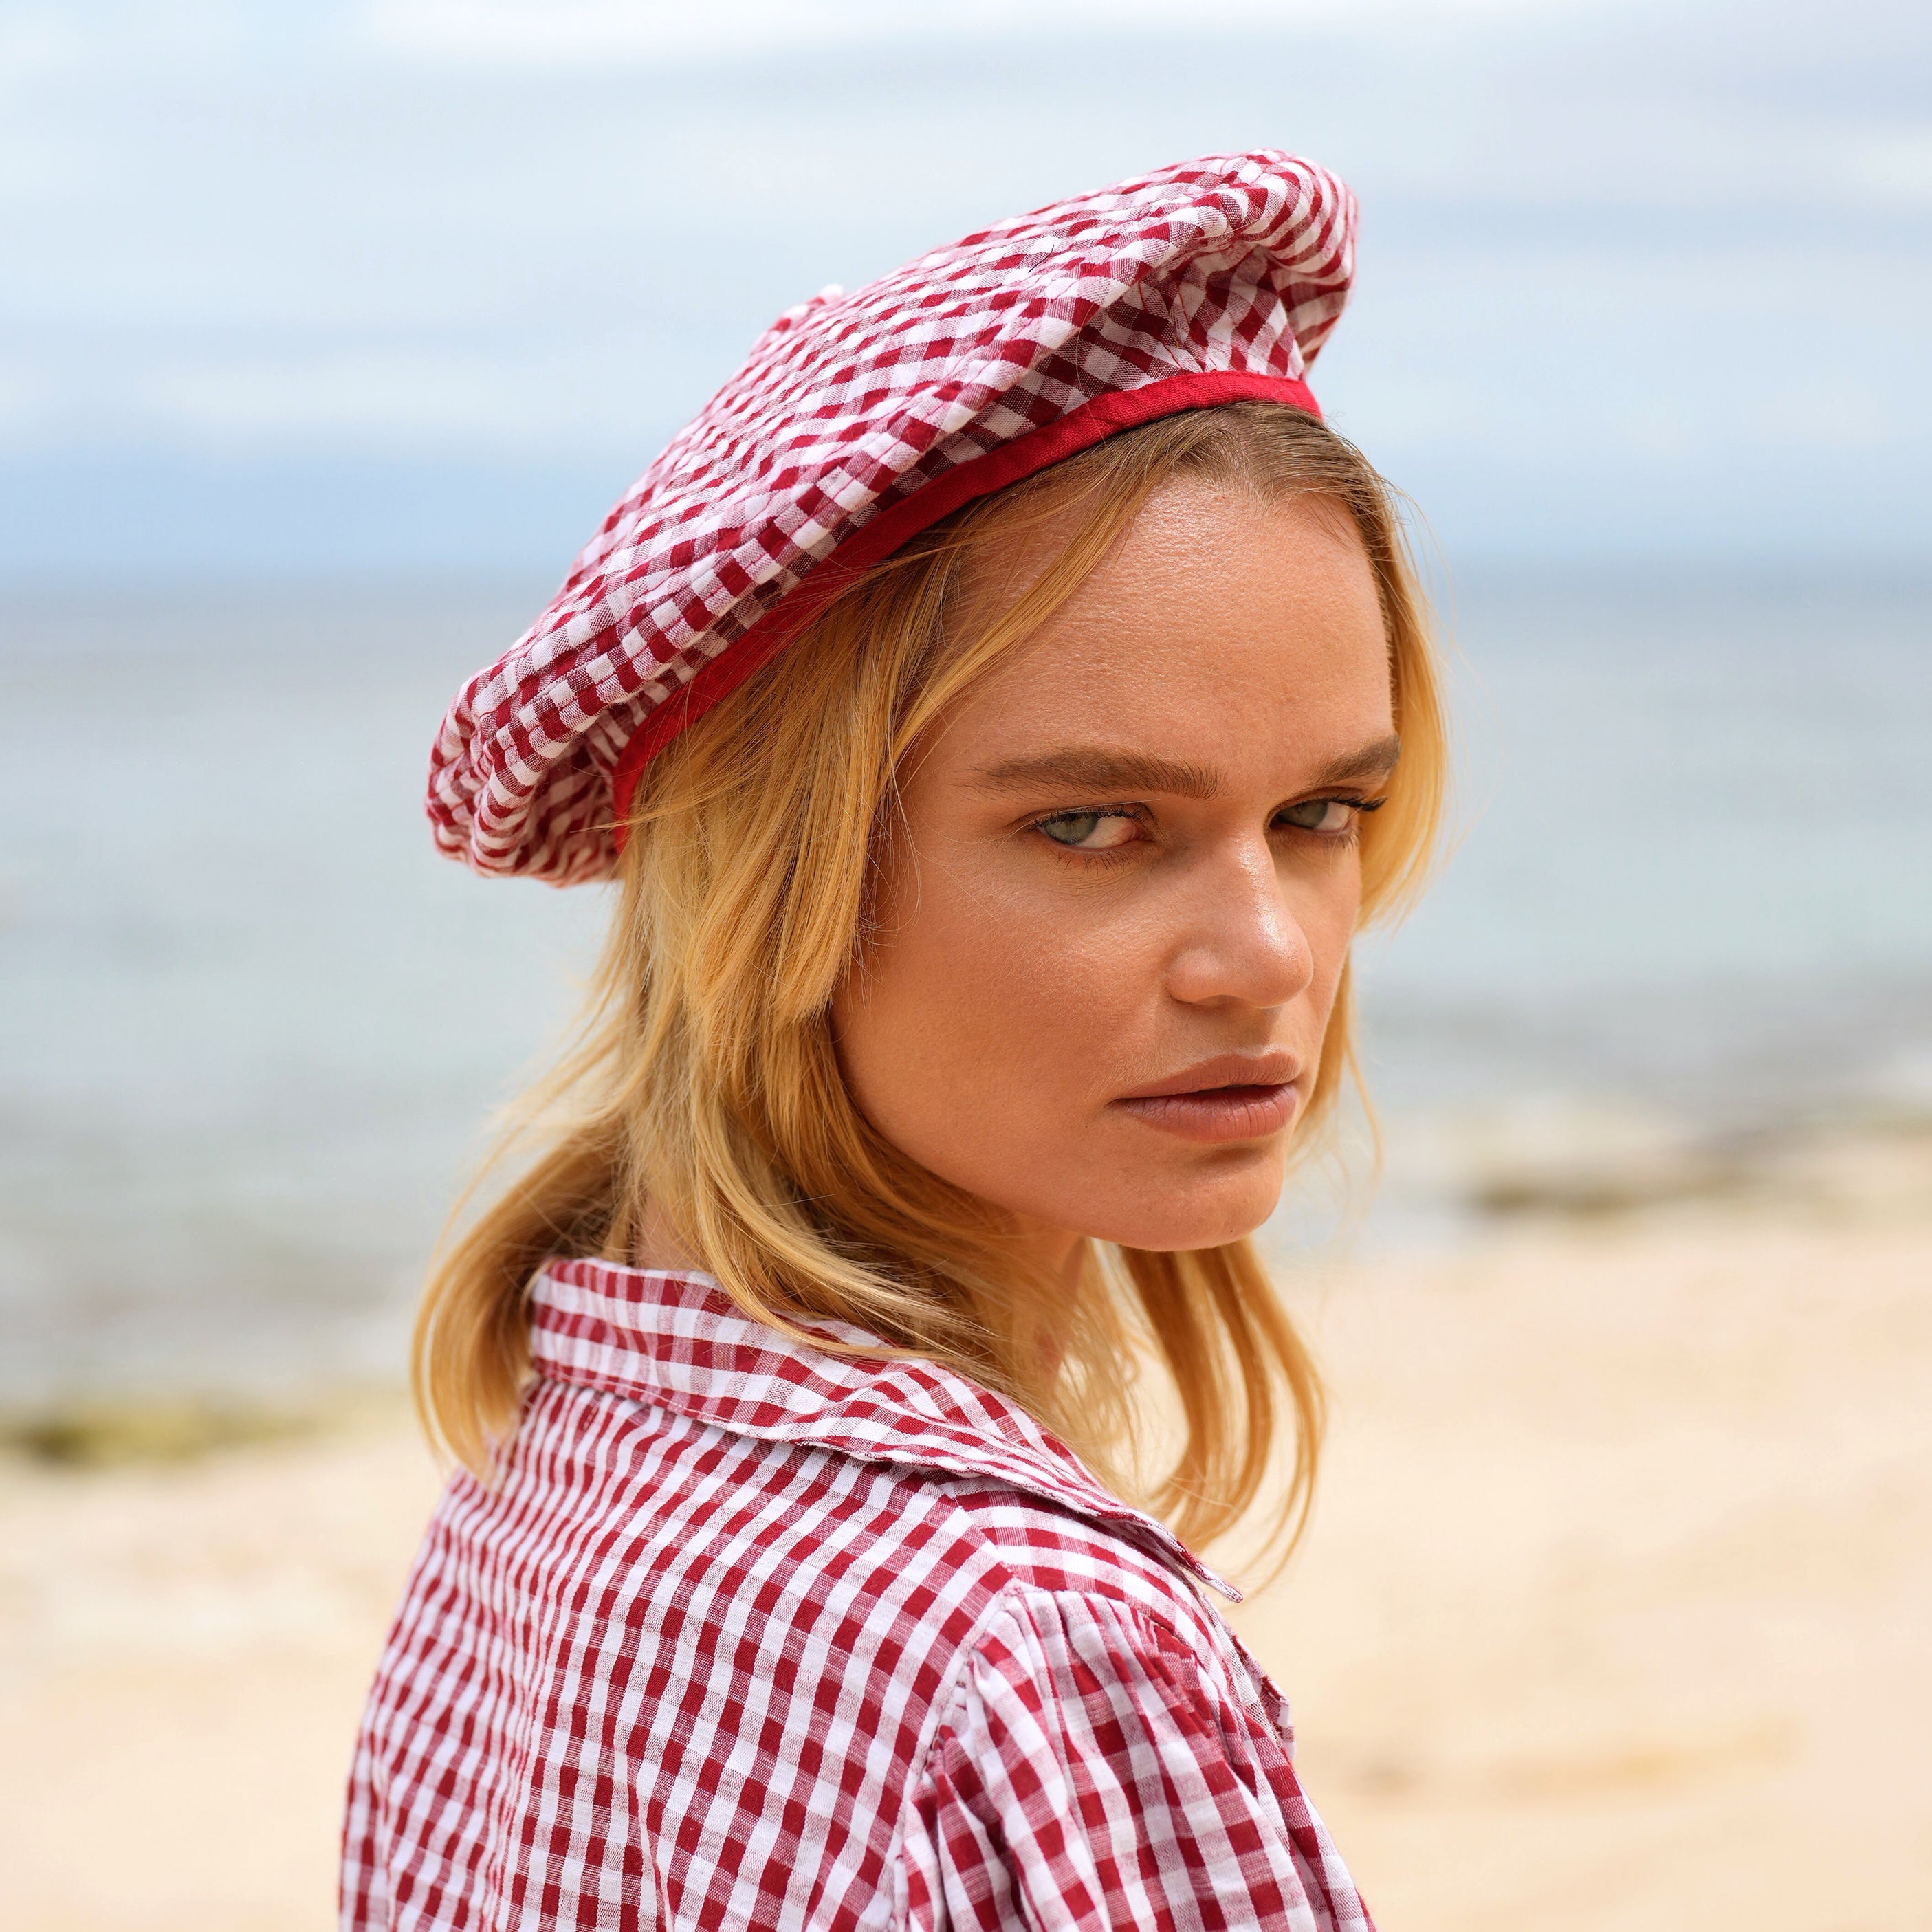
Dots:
{"x": 1110, "y": 938}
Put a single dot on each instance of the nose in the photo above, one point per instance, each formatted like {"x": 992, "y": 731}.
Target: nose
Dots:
{"x": 1241, "y": 942}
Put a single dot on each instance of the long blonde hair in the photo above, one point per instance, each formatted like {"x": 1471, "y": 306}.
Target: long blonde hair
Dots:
{"x": 705, "y": 1079}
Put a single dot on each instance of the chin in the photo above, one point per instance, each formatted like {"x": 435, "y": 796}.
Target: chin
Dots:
{"x": 1169, "y": 1218}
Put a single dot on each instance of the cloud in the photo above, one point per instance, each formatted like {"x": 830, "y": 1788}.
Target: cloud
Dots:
{"x": 523, "y": 233}
{"x": 575, "y": 31}
{"x": 1894, "y": 165}
{"x": 385, "y": 404}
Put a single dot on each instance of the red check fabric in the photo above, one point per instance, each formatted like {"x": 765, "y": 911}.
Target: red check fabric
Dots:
{"x": 748, "y": 1635}
{"x": 856, "y": 421}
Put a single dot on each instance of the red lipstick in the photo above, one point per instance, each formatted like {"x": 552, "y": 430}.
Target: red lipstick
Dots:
{"x": 1235, "y": 1096}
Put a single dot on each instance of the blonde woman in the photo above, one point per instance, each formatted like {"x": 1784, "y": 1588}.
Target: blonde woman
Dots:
{"x": 998, "y": 710}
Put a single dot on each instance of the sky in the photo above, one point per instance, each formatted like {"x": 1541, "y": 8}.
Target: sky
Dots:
{"x": 420, "y": 285}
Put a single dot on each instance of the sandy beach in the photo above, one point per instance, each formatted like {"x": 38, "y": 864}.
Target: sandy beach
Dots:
{"x": 1614, "y": 1616}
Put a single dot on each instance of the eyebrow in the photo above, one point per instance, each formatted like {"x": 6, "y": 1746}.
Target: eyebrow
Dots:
{"x": 1099, "y": 773}
{"x": 1371, "y": 761}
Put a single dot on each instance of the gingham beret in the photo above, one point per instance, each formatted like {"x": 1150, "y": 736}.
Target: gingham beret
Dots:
{"x": 856, "y": 421}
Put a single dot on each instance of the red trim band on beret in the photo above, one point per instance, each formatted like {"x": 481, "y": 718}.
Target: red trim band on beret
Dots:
{"x": 1092, "y": 423}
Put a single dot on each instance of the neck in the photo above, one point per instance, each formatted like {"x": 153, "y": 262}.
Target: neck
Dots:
{"x": 1064, "y": 1256}
{"x": 1058, "y": 1254}
{"x": 658, "y": 1244}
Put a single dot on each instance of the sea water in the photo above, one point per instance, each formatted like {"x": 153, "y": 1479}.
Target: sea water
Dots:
{"x": 251, "y": 1028}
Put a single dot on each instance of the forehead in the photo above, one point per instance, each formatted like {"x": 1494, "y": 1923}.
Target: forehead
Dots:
{"x": 1222, "y": 630}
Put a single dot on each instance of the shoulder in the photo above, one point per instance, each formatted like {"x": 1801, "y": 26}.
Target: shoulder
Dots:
{"x": 596, "y": 1462}
{"x": 1094, "y": 1769}
{"x": 1074, "y": 1671}
{"x": 621, "y": 1515}
{"x": 1043, "y": 1554}
{"x": 651, "y": 1629}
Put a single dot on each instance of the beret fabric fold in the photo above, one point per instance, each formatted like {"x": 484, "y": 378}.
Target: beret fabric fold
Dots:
{"x": 857, "y": 421}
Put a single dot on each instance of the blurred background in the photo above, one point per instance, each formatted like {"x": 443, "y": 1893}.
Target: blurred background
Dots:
{"x": 327, "y": 334}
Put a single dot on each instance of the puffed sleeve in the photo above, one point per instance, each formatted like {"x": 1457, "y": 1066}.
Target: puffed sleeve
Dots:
{"x": 1092, "y": 1772}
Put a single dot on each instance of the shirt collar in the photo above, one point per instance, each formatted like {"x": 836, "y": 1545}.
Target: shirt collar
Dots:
{"x": 677, "y": 1341}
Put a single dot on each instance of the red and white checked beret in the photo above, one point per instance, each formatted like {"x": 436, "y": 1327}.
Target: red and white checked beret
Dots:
{"x": 857, "y": 421}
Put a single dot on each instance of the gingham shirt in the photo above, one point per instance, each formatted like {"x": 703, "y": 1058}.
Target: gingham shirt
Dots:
{"x": 751, "y": 1635}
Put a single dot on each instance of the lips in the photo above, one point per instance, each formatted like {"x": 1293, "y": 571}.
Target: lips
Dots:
{"x": 1233, "y": 1097}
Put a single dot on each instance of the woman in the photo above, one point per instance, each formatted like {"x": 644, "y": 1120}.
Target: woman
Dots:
{"x": 989, "y": 710}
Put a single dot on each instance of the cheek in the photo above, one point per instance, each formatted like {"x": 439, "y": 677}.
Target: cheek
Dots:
{"x": 1329, "y": 918}
{"x": 974, "y": 1006}
{"x": 1328, "y": 928}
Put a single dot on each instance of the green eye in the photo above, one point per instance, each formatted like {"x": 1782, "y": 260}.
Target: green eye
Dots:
{"x": 1071, "y": 828}
{"x": 1318, "y": 814}
{"x": 1091, "y": 831}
